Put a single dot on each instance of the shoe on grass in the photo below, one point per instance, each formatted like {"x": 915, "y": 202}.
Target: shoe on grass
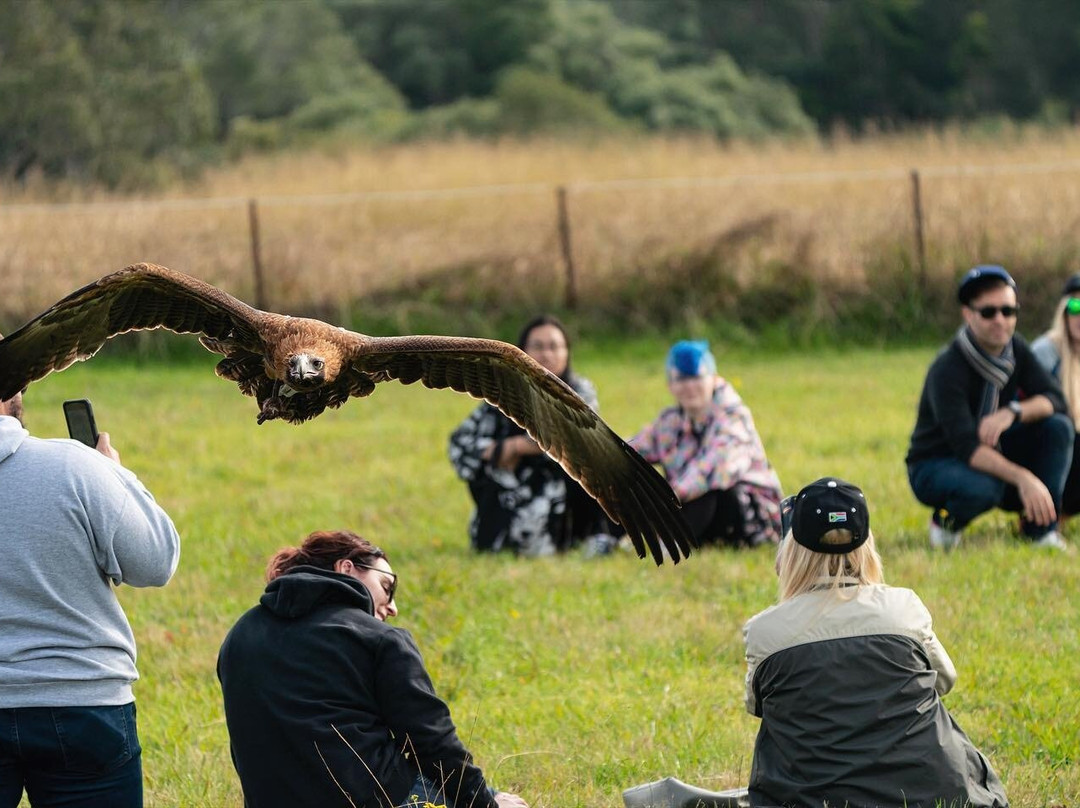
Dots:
{"x": 1051, "y": 539}
{"x": 599, "y": 544}
{"x": 942, "y": 539}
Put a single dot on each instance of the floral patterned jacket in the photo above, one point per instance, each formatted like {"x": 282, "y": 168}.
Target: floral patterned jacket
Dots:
{"x": 727, "y": 450}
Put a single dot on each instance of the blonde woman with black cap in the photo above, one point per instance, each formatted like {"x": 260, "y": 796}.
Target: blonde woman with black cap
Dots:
{"x": 1058, "y": 350}
{"x": 847, "y": 675}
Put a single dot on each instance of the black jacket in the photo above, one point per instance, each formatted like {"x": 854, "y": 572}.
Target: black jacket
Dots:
{"x": 948, "y": 420}
{"x": 327, "y": 705}
{"x": 848, "y": 686}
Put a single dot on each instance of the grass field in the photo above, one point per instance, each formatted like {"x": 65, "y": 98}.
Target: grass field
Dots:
{"x": 569, "y": 679}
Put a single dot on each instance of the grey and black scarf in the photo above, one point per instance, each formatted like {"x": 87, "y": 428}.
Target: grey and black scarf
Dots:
{"x": 995, "y": 370}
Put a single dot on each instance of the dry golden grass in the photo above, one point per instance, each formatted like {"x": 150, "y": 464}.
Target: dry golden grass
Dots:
{"x": 342, "y": 222}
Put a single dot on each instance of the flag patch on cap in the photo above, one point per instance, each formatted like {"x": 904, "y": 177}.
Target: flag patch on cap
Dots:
{"x": 837, "y": 516}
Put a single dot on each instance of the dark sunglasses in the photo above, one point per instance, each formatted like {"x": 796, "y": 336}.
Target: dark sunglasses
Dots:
{"x": 990, "y": 312}
{"x": 393, "y": 578}
{"x": 1073, "y": 306}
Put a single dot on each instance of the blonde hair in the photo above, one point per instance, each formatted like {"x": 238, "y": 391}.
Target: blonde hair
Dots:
{"x": 801, "y": 569}
{"x": 1070, "y": 359}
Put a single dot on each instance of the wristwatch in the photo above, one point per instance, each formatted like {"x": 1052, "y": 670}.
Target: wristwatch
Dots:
{"x": 1015, "y": 407}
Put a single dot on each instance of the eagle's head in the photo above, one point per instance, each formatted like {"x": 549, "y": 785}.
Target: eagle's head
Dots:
{"x": 304, "y": 359}
{"x": 305, "y": 371}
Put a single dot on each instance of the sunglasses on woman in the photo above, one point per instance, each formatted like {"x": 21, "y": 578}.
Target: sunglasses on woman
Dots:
{"x": 990, "y": 312}
{"x": 392, "y": 590}
{"x": 1073, "y": 306}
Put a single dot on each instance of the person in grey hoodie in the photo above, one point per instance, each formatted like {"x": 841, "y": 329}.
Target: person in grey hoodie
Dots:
{"x": 74, "y": 523}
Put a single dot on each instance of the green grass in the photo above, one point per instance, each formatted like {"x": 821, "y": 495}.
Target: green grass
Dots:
{"x": 569, "y": 680}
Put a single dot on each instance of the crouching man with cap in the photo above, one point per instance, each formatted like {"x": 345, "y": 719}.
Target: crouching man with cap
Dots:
{"x": 846, "y": 675}
{"x": 992, "y": 429}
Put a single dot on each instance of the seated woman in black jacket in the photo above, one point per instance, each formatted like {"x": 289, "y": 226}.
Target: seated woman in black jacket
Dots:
{"x": 847, "y": 676}
{"x": 326, "y": 704}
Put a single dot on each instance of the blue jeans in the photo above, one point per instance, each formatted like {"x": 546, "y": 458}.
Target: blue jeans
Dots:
{"x": 428, "y": 792}
{"x": 945, "y": 483}
{"x": 84, "y": 757}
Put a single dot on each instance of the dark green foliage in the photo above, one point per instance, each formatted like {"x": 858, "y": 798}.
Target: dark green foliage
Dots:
{"x": 471, "y": 117}
{"x": 525, "y": 103}
{"x": 539, "y": 103}
{"x": 440, "y": 52}
{"x": 889, "y": 61}
{"x": 100, "y": 89}
{"x": 56, "y": 128}
{"x": 127, "y": 93}
{"x": 638, "y": 73}
{"x": 270, "y": 60}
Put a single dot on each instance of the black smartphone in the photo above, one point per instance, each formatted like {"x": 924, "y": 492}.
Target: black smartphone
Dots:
{"x": 80, "y": 421}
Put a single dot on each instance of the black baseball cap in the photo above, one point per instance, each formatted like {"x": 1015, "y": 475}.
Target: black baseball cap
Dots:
{"x": 1072, "y": 285}
{"x": 825, "y": 505}
{"x": 978, "y": 278}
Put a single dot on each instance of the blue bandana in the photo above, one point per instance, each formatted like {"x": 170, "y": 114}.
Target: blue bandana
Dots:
{"x": 691, "y": 358}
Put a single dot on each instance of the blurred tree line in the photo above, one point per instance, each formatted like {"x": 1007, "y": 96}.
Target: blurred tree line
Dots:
{"x": 136, "y": 92}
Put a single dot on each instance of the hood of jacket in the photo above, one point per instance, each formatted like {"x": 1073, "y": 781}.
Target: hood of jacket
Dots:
{"x": 303, "y": 589}
{"x": 12, "y": 435}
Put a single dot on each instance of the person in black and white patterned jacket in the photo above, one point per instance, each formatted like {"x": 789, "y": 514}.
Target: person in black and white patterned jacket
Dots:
{"x": 525, "y": 502}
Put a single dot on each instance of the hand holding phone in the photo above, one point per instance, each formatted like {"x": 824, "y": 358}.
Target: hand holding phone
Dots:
{"x": 80, "y": 421}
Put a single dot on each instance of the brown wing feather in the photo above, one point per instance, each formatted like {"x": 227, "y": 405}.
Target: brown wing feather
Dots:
{"x": 145, "y": 296}
{"x": 628, "y": 488}
{"x": 142, "y": 296}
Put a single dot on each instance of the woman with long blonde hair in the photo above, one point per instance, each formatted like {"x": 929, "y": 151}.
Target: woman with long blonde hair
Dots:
{"x": 847, "y": 675}
{"x": 1058, "y": 350}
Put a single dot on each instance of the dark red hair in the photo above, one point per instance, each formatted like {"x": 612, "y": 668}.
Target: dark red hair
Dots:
{"x": 323, "y": 549}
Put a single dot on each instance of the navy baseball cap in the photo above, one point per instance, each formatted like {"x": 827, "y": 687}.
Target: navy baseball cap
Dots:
{"x": 825, "y": 505}
{"x": 978, "y": 278}
{"x": 1072, "y": 285}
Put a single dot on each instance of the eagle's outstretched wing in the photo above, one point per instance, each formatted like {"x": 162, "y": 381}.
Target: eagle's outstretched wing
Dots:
{"x": 146, "y": 296}
{"x": 138, "y": 297}
{"x": 630, "y": 490}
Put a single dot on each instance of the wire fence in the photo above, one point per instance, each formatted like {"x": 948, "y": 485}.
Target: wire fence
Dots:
{"x": 555, "y": 242}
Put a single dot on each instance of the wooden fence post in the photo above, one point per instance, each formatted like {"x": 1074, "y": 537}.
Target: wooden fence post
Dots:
{"x": 920, "y": 243}
{"x": 256, "y": 257}
{"x": 567, "y": 251}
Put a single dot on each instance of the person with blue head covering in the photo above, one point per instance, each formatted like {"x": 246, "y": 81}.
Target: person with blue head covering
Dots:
{"x": 711, "y": 453}
{"x": 691, "y": 358}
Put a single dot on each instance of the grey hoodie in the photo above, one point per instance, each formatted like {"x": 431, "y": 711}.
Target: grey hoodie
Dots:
{"x": 71, "y": 521}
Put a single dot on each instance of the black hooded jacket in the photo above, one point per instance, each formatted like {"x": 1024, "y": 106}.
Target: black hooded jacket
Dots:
{"x": 327, "y": 705}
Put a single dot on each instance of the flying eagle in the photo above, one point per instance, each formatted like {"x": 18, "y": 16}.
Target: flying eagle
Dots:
{"x": 296, "y": 367}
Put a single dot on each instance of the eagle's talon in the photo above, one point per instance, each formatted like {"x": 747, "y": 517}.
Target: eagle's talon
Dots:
{"x": 269, "y": 412}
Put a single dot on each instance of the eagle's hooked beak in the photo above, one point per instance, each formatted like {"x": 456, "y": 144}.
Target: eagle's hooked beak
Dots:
{"x": 305, "y": 371}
